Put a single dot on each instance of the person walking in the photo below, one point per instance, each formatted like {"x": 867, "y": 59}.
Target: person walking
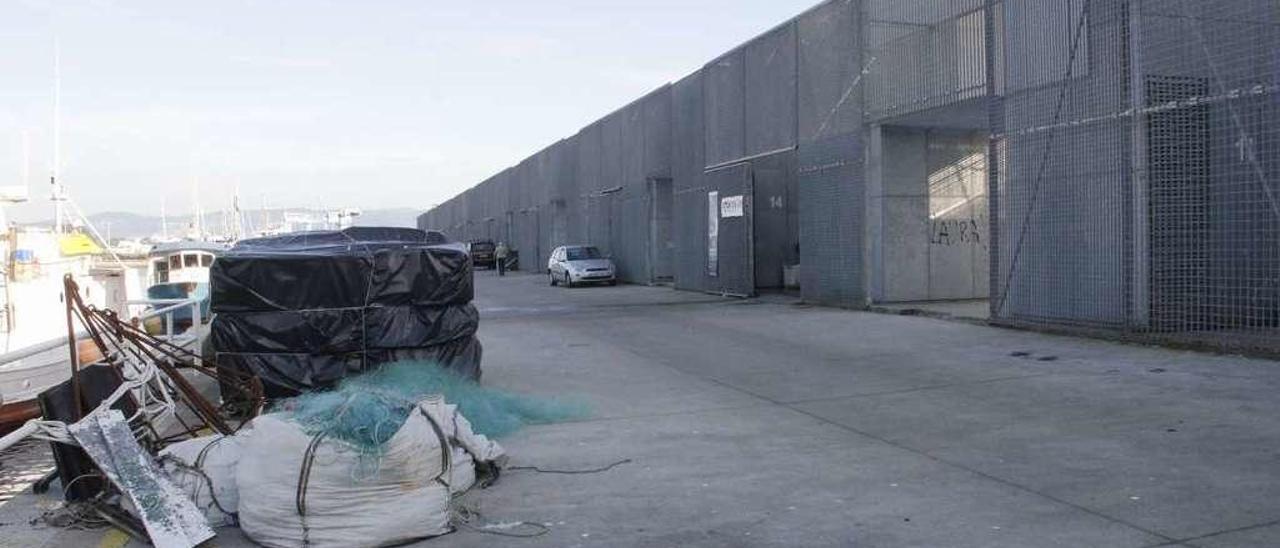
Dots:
{"x": 500, "y": 257}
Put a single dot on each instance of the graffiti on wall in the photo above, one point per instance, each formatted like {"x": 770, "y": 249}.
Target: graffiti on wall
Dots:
{"x": 951, "y": 232}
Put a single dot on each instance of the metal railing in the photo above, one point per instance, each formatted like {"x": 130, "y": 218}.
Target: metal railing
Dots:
{"x": 160, "y": 307}
{"x": 167, "y": 308}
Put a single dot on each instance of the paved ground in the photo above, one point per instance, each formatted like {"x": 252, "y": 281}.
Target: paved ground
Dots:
{"x": 978, "y": 309}
{"x": 766, "y": 423}
{"x": 23, "y": 465}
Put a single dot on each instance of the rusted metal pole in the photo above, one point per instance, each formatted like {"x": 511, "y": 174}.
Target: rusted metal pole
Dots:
{"x": 71, "y": 293}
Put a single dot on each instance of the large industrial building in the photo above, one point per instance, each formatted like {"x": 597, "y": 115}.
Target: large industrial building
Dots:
{"x": 1111, "y": 165}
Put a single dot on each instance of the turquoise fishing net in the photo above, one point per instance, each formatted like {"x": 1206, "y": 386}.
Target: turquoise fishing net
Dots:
{"x": 367, "y": 410}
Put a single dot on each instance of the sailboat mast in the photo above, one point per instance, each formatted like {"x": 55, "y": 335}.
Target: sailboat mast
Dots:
{"x": 57, "y": 138}
{"x": 198, "y": 221}
{"x": 26, "y": 161}
{"x": 238, "y": 231}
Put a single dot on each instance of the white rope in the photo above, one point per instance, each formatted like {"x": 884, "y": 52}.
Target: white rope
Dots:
{"x": 142, "y": 379}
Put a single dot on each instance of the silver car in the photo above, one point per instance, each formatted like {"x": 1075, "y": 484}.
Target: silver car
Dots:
{"x": 579, "y": 264}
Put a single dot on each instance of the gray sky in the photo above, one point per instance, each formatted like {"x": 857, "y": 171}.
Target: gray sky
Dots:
{"x": 381, "y": 103}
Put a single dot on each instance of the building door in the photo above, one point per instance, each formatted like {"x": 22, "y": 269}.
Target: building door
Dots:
{"x": 734, "y": 271}
{"x": 773, "y": 245}
{"x": 661, "y": 246}
{"x": 1178, "y": 168}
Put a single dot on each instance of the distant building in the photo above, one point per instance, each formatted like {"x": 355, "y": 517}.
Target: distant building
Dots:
{"x": 1107, "y": 164}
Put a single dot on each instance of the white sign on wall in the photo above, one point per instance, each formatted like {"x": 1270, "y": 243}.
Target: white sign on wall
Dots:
{"x": 731, "y": 206}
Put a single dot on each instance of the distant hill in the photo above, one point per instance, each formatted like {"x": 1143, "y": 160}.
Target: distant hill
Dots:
{"x": 132, "y": 225}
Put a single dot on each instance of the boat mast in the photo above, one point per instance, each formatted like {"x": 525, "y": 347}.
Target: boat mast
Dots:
{"x": 238, "y": 229}
{"x": 26, "y": 160}
{"x": 198, "y": 221}
{"x": 59, "y": 195}
{"x": 266, "y": 213}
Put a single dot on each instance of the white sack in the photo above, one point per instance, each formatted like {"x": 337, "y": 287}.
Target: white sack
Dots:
{"x": 470, "y": 447}
{"x": 345, "y": 505}
{"x": 216, "y": 456}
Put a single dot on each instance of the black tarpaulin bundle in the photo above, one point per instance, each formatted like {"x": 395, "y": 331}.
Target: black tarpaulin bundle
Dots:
{"x": 304, "y": 310}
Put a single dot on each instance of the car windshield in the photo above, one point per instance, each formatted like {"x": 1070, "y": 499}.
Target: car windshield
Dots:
{"x": 582, "y": 253}
{"x": 482, "y": 246}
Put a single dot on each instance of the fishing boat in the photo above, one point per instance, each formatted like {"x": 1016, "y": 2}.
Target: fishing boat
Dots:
{"x": 33, "y": 336}
{"x": 35, "y": 343}
{"x": 179, "y": 271}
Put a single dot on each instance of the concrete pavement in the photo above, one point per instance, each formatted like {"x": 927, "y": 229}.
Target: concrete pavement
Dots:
{"x": 773, "y": 424}
{"x": 768, "y": 423}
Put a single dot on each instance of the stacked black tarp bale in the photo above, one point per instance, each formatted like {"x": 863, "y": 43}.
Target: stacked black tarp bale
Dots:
{"x": 302, "y": 311}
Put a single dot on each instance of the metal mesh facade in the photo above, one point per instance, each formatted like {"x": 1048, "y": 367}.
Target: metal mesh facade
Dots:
{"x": 725, "y": 109}
{"x": 769, "y": 92}
{"x": 1212, "y": 171}
{"x": 829, "y": 72}
{"x": 831, "y": 202}
{"x": 1137, "y": 169}
{"x": 732, "y": 262}
{"x": 924, "y": 55}
{"x": 829, "y": 193}
{"x": 1129, "y": 179}
{"x": 687, "y": 162}
{"x": 775, "y": 217}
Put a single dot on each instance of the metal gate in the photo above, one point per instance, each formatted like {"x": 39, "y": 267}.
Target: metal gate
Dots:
{"x": 734, "y": 272}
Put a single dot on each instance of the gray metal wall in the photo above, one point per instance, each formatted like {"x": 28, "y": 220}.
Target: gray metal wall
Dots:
{"x": 830, "y": 188}
{"x": 1132, "y": 163}
{"x": 775, "y": 217}
{"x": 1137, "y": 167}
{"x": 1063, "y": 217}
{"x": 925, "y": 54}
{"x": 754, "y": 111}
{"x": 831, "y": 192}
{"x": 1213, "y": 170}
{"x": 688, "y": 160}
{"x": 733, "y": 272}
